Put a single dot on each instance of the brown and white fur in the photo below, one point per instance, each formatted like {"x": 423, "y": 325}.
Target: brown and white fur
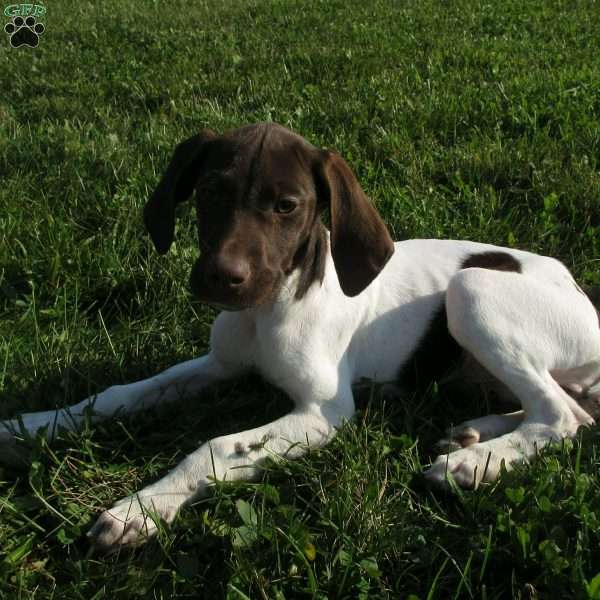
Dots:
{"x": 314, "y": 311}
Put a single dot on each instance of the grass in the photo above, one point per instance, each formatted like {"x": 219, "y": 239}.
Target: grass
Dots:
{"x": 462, "y": 120}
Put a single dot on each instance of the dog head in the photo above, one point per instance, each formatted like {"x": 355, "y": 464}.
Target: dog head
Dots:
{"x": 260, "y": 191}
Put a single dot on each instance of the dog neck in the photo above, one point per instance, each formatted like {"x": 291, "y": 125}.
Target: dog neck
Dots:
{"x": 309, "y": 262}
{"x": 306, "y": 278}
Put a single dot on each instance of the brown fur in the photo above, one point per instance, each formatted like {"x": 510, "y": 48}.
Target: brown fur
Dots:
{"x": 260, "y": 192}
{"x": 499, "y": 261}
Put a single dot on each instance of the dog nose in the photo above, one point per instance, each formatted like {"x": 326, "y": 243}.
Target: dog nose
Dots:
{"x": 230, "y": 271}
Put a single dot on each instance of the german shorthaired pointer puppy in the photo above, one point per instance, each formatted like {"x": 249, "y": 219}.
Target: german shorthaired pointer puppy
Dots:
{"x": 314, "y": 311}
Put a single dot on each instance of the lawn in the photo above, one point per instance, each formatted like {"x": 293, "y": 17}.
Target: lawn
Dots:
{"x": 462, "y": 119}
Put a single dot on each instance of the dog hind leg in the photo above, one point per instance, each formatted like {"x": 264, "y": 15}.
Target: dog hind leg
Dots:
{"x": 560, "y": 332}
{"x": 477, "y": 430}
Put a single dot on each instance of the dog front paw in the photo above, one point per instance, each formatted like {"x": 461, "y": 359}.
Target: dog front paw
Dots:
{"x": 130, "y": 522}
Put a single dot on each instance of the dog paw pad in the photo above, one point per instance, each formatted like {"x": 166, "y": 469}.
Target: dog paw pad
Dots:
{"x": 129, "y": 522}
{"x": 457, "y": 438}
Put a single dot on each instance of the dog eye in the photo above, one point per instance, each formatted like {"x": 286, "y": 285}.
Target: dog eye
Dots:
{"x": 285, "y": 206}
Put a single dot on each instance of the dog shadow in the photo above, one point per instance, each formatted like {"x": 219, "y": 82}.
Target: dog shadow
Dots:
{"x": 173, "y": 428}
{"x": 227, "y": 407}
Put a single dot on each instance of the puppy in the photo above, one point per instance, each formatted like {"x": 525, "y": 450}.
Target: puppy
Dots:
{"x": 314, "y": 310}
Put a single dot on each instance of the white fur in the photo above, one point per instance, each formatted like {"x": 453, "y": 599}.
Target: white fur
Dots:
{"x": 533, "y": 330}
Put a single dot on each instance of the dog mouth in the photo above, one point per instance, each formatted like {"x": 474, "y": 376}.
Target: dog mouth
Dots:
{"x": 259, "y": 292}
{"x": 227, "y": 307}
{"x": 229, "y": 302}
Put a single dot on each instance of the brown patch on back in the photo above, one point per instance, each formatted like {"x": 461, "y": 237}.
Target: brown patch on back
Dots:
{"x": 499, "y": 261}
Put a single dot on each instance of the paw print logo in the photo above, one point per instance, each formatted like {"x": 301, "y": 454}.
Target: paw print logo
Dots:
{"x": 24, "y": 32}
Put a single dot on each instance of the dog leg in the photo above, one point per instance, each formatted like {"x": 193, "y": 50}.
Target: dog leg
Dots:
{"x": 479, "y": 430}
{"x": 180, "y": 381}
{"x": 231, "y": 457}
{"x": 522, "y": 353}
{"x": 520, "y": 447}
{"x": 578, "y": 383}
{"x": 482, "y": 461}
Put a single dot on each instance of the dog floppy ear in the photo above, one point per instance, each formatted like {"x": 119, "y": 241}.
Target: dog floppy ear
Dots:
{"x": 360, "y": 242}
{"x": 176, "y": 185}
